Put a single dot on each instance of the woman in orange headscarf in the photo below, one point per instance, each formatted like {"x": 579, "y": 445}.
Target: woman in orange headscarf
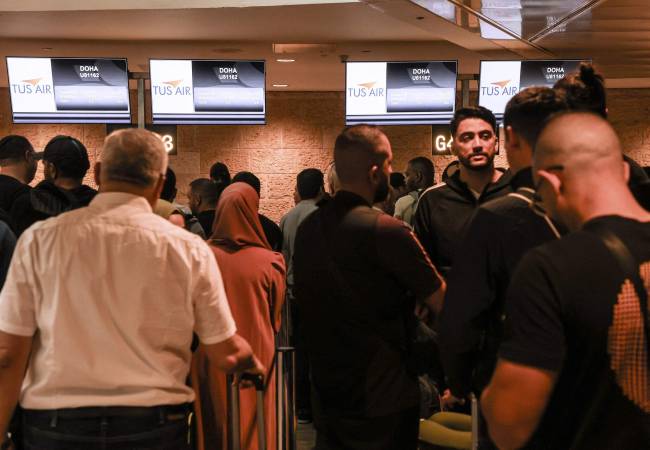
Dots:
{"x": 254, "y": 279}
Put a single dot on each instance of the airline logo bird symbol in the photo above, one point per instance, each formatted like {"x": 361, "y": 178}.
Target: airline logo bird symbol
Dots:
{"x": 501, "y": 84}
{"x": 33, "y": 81}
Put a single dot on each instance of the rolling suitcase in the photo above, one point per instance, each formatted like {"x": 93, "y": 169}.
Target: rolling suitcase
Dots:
{"x": 234, "y": 429}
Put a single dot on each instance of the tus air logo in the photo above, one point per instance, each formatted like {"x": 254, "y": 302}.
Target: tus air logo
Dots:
{"x": 366, "y": 90}
{"x": 172, "y": 87}
{"x": 31, "y": 86}
{"x": 498, "y": 88}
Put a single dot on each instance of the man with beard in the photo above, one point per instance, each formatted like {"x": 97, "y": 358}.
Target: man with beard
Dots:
{"x": 358, "y": 276}
{"x": 444, "y": 210}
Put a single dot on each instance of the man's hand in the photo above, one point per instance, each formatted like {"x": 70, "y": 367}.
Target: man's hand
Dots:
{"x": 257, "y": 370}
{"x": 448, "y": 401}
{"x": 234, "y": 356}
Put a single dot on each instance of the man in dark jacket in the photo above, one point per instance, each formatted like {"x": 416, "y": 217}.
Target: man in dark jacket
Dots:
{"x": 65, "y": 162}
{"x": 444, "y": 210}
{"x": 499, "y": 234}
{"x": 202, "y": 196}
{"x": 18, "y": 163}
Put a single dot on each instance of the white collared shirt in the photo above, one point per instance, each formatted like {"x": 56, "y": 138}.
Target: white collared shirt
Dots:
{"x": 111, "y": 294}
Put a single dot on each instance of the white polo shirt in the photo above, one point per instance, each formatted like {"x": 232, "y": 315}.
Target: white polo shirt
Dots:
{"x": 111, "y": 294}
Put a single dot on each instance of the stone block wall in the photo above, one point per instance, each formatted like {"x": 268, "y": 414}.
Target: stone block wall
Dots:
{"x": 300, "y": 133}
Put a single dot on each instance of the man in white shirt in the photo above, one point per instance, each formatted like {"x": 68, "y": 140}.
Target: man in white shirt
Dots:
{"x": 99, "y": 308}
{"x": 309, "y": 189}
{"x": 420, "y": 175}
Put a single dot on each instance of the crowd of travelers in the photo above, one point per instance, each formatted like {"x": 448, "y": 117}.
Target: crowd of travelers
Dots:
{"x": 123, "y": 313}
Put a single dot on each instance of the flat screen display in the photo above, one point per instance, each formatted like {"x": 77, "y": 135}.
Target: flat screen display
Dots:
{"x": 400, "y": 93}
{"x": 210, "y": 92}
{"x": 69, "y": 90}
{"x": 502, "y": 80}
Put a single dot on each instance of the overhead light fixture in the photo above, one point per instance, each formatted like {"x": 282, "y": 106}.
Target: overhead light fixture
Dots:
{"x": 285, "y": 60}
{"x": 280, "y": 85}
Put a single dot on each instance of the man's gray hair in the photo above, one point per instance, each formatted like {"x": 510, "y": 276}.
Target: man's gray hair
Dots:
{"x": 134, "y": 156}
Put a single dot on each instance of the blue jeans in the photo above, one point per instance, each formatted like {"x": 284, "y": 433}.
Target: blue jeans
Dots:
{"x": 121, "y": 428}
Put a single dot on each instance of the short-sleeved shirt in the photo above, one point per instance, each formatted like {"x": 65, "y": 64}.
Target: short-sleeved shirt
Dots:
{"x": 354, "y": 317}
{"x": 111, "y": 294}
{"x": 289, "y": 226}
{"x": 570, "y": 311}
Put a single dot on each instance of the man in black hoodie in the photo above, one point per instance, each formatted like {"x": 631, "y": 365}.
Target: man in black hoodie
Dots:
{"x": 444, "y": 210}
{"x": 65, "y": 162}
{"x": 500, "y": 233}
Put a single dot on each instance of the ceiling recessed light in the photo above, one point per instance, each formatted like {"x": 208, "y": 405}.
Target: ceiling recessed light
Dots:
{"x": 285, "y": 60}
{"x": 280, "y": 85}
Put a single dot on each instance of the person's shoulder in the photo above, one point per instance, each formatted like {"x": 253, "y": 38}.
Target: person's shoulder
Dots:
{"x": 435, "y": 190}
{"x": 504, "y": 205}
{"x": 574, "y": 252}
{"x": 390, "y": 227}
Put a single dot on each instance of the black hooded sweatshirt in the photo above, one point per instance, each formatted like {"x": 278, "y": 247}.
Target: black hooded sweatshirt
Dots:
{"x": 443, "y": 213}
{"x": 47, "y": 200}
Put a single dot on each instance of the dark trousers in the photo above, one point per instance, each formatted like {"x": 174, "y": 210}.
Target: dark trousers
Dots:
{"x": 121, "y": 428}
{"x": 303, "y": 385}
{"x": 397, "y": 431}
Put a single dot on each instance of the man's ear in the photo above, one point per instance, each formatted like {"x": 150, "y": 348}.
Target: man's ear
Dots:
{"x": 452, "y": 149}
{"x": 373, "y": 173}
{"x": 97, "y": 170}
{"x": 552, "y": 179}
{"x": 511, "y": 138}
{"x": 159, "y": 187}
{"x": 626, "y": 171}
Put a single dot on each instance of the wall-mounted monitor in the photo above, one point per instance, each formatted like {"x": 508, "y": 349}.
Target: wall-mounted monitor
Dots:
{"x": 502, "y": 80}
{"x": 400, "y": 93}
{"x": 69, "y": 90}
{"x": 210, "y": 92}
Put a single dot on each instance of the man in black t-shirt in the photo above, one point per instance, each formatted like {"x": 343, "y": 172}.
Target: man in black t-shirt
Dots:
{"x": 573, "y": 370}
{"x": 358, "y": 275}
{"x": 18, "y": 163}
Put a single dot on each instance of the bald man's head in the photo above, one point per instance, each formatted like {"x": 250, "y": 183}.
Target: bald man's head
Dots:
{"x": 578, "y": 167}
{"x": 362, "y": 157}
{"x": 357, "y": 149}
{"x": 581, "y": 142}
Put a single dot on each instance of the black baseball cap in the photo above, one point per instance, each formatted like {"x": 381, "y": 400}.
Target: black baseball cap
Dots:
{"x": 68, "y": 155}
{"x": 14, "y": 147}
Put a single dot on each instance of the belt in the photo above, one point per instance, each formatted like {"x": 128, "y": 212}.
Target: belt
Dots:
{"x": 168, "y": 412}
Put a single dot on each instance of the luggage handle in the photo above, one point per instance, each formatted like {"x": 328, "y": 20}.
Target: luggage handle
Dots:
{"x": 234, "y": 435}
{"x": 257, "y": 380}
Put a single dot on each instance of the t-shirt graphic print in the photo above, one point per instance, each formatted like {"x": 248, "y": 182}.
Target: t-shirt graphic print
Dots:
{"x": 627, "y": 345}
